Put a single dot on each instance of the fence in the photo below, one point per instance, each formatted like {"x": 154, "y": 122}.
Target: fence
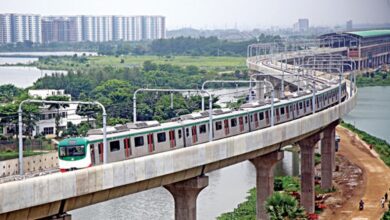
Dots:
{"x": 28, "y": 145}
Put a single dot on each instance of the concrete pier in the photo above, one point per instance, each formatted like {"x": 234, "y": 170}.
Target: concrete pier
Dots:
{"x": 328, "y": 156}
{"x": 307, "y": 146}
{"x": 265, "y": 179}
{"x": 185, "y": 194}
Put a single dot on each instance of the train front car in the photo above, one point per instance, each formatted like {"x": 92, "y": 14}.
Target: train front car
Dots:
{"x": 73, "y": 154}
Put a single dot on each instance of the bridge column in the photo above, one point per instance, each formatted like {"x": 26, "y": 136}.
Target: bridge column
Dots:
{"x": 328, "y": 156}
{"x": 307, "y": 171}
{"x": 185, "y": 194}
{"x": 265, "y": 179}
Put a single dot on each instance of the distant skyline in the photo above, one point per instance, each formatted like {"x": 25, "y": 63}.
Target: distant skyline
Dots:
{"x": 211, "y": 14}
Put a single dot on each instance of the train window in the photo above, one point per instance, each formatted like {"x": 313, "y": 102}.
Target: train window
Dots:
{"x": 139, "y": 141}
{"x": 300, "y": 105}
{"x": 233, "y": 122}
{"x": 161, "y": 137}
{"x": 115, "y": 146}
{"x": 179, "y": 133}
{"x": 261, "y": 116}
{"x": 307, "y": 103}
{"x": 187, "y": 132}
{"x": 251, "y": 118}
{"x": 218, "y": 125}
{"x": 202, "y": 129}
{"x": 282, "y": 110}
{"x": 246, "y": 119}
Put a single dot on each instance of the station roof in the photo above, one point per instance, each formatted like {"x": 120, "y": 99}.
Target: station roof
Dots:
{"x": 371, "y": 33}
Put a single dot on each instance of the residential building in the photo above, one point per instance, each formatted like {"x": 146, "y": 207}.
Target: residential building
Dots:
{"x": 20, "y": 28}
{"x": 61, "y": 29}
{"x": 47, "y": 124}
{"x": 5, "y": 29}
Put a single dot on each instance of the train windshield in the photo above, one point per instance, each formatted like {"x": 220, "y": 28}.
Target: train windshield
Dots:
{"x": 71, "y": 151}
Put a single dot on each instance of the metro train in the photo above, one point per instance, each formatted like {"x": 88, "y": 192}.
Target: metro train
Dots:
{"x": 150, "y": 137}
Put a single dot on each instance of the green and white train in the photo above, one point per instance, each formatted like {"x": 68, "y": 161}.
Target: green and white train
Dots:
{"x": 145, "y": 138}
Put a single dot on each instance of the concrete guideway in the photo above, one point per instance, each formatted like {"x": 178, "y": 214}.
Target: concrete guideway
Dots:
{"x": 181, "y": 171}
{"x": 376, "y": 180}
{"x": 84, "y": 187}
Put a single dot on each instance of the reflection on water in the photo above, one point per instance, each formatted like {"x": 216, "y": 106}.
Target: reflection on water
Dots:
{"x": 16, "y": 60}
{"x": 372, "y": 112}
{"x": 227, "y": 188}
{"x": 23, "y": 76}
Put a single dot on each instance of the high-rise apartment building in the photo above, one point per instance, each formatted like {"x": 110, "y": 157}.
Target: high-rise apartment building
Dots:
{"x": 20, "y": 28}
{"x": 5, "y": 29}
{"x": 97, "y": 28}
{"x": 61, "y": 29}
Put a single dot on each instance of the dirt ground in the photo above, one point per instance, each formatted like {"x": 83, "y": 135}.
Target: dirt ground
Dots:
{"x": 361, "y": 175}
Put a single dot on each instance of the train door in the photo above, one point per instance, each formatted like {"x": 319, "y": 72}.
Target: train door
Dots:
{"x": 241, "y": 121}
{"x": 297, "y": 107}
{"x": 194, "y": 135}
{"x": 266, "y": 117}
{"x": 100, "y": 146}
{"x": 226, "y": 126}
{"x": 288, "y": 112}
{"x": 304, "y": 107}
{"x": 151, "y": 143}
{"x": 277, "y": 115}
{"x": 256, "y": 120}
{"x": 172, "y": 139}
{"x": 92, "y": 149}
{"x": 317, "y": 103}
{"x": 127, "y": 145}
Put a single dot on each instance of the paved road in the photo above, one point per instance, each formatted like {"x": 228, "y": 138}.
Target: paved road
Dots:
{"x": 376, "y": 177}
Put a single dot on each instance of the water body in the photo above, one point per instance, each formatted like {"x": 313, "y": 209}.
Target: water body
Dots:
{"x": 44, "y": 54}
{"x": 23, "y": 76}
{"x": 372, "y": 113}
{"x": 17, "y": 60}
{"x": 227, "y": 188}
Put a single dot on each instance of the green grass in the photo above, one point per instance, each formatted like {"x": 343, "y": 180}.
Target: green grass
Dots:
{"x": 380, "y": 146}
{"x": 363, "y": 81}
{"x": 177, "y": 60}
{"x": 7, "y": 155}
{"x": 210, "y": 62}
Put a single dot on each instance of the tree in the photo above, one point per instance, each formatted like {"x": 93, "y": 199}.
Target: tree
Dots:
{"x": 280, "y": 206}
{"x": 8, "y": 93}
{"x": 57, "y": 106}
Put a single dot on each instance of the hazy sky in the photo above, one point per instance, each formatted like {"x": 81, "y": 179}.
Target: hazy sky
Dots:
{"x": 243, "y": 14}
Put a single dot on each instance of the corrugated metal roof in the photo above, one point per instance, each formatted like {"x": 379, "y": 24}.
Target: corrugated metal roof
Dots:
{"x": 371, "y": 33}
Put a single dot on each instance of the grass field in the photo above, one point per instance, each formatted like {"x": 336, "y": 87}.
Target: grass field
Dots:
{"x": 177, "y": 60}
{"x": 221, "y": 63}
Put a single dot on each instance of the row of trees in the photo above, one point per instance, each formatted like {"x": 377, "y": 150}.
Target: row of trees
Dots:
{"x": 203, "y": 46}
{"x": 114, "y": 88}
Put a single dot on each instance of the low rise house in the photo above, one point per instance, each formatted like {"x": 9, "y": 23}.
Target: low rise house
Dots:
{"x": 47, "y": 122}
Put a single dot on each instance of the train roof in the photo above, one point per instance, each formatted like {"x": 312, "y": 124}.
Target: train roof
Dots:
{"x": 144, "y": 127}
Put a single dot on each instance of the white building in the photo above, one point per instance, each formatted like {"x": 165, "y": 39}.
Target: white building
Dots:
{"x": 46, "y": 125}
{"x": 97, "y": 28}
{"x": 20, "y": 28}
{"x": 5, "y": 29}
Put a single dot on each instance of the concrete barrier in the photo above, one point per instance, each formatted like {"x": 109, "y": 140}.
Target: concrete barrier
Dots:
{"x": 31, "y": 164}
